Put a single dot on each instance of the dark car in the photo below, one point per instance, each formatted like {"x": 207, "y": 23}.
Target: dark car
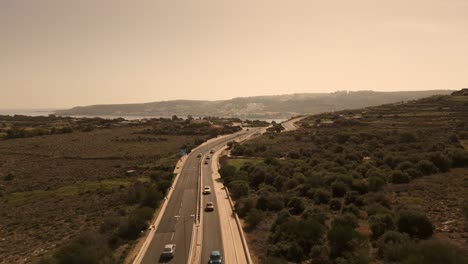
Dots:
{"x": 209, "y": 207}
{"x": 215, "y": 257}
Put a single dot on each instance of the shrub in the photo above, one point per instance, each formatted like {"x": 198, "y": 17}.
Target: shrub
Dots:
{"x": 399, "y": 177}
{"x": 441, "y": 161}
{"x": 135, "y": 223}
{"x": 434, "y": 252}
{"x": 270, "y": 202}
{"x": 380, "y": 223}
{"x": 335, "y": 204}
{"x": 415, "y": 224}
{"x": 407, "y": 137}
{"x": 86, "y": 248}
{"x": 244, "y": 205}
{"x": 9, "y": 177}
{"x": 426, "y": 167}
{"x": 322, "y": 196}
{"x": 238, "y": 188}
{"x": 340, "y": 238}
{"x": 296, "y": 206}
{"x": 392, "y": 246}
{"x": 459, "y": 158}
{"x": 346, "y": 219}
{"x": 339, "y": 189}
{"x": 377, "y": 208}
{"x": 376, "y": 184}
{"x": 351, "y": 197}
{"x": 254, "y": 217}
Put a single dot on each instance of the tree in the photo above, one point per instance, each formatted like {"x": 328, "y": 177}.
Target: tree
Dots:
{"x": 238, "y": 188}
{"x": 340, "y": 238}
{"x": 415, "y": 224}
{"x": 254, "y": 217}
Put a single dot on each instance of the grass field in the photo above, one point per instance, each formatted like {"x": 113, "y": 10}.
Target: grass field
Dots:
{"x": 239, "y": 162}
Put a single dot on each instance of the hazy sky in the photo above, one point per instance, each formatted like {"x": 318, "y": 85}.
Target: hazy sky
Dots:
{"x": 62, "y": 53}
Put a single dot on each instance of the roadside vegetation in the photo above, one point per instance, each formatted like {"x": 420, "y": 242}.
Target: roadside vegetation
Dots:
{"x": 382, "y": 184}
{"x": 85, "y": 195}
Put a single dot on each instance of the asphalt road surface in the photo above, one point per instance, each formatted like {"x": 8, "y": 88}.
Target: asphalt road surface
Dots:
{"x": 177, "y": 221}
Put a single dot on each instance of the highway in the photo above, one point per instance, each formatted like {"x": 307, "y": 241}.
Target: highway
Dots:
{"x": 290, "y": 124}
{"x": 178, "y": 218}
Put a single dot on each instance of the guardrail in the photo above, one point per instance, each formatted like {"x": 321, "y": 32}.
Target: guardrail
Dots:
{"x": 238, "y": 223}
{"x": 239, "y": 227}
{"x": 195, "y": 245}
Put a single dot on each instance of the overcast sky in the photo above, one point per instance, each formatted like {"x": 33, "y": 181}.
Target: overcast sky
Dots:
{"x": 63, "y": 53}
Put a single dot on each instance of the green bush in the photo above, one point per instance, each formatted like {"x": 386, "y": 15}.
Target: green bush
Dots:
{"x": 441, "y": 161}
{"x": 254, "y": 217}
{"x": 86, "y": 248}
{"x": 335, "y": 204}
{"x": 322, "y": 196}
{"x": 393, "y": 246}
{"x": 135, "y": 223}
{"x": 380, "y": 223}
{"x": 434, "y": 252}
{"x": 399, "y": 177}
{"x": 340, "y": 238}
{"x": 459, "y": 158}
{"x": 238, "y": 188}
{"x": 376, "y": 184}
{"x": 296, "y": 206}
{"x": 415, "y": 224}
{"x": 339, "y": 189}
{"x": 426, "y": 167}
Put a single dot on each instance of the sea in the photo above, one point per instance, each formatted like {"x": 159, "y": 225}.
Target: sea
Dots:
{"x": 46, "y": 112}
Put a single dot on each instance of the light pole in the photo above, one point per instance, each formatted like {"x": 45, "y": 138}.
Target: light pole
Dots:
{"x": 184, "y": 217}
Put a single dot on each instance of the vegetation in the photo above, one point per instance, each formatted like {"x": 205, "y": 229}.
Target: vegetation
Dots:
{"x": 84, "y": 196}
{"x": 339, "y": 188}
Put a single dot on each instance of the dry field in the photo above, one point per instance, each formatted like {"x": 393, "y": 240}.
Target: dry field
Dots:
{"x": 56, "y": 186}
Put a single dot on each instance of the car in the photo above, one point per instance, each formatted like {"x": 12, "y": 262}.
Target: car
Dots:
{"x": 206, "y": 162}
{"x": 208, "y": 157}
{"x": 168, "y": 251}
{"x": 215, "y": 257}
{"x": 209, "y": 207}
{"x": 211, "y": 151}
{"x": 207, "y": 190}
{"x": 199, "y": 155}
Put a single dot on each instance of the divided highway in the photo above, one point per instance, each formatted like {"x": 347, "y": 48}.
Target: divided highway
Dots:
{"x": 178, "y": 216}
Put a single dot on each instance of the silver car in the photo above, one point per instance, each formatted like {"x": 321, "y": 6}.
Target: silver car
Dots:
{"x": 168, "y": 251}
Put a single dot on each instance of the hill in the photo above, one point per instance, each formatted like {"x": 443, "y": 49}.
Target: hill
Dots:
{"x": 268, "y": 107}
{"x": 384, "y": 184}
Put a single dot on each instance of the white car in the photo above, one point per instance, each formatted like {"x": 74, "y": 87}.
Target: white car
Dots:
{"x": 207, "y": 190}
{"x": 208, "y": 157}
{"x": 168, "y": 251}
{"x": 212, "y": 151}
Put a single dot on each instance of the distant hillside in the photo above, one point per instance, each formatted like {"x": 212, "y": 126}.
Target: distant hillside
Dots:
{"x": 279, "y": 106}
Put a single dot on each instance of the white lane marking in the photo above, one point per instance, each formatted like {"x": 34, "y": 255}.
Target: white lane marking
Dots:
{"x": 172, "y": 237}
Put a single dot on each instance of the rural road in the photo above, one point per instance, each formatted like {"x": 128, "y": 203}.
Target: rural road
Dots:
{"x": 177, "y": 221}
